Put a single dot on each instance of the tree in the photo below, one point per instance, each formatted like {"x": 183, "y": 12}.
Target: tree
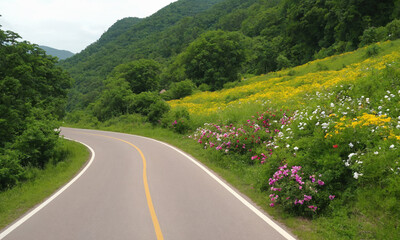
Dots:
{"x": 215, "y": 58}
{"x": 115, "y": 100}
{"x": 143, "y": 75}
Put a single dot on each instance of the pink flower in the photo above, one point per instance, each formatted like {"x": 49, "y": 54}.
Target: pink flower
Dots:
{"x": 331, "y": 197}
{"x": 254, "y": 157}
{"x": 272, "y": 204}
{"x": 321, "y": 183}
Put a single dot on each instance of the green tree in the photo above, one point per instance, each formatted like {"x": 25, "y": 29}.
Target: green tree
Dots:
{"x": 143, "y": 75}
{"x": 115, "y": 100}
{"x": 215, "y": 58}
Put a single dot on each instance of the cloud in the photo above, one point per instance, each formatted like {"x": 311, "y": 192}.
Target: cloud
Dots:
{"x": 71, "y": 25}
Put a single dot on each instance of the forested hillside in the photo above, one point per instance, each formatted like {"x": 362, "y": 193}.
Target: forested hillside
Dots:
{"x": 274, "y": 34}
{"x": 33, "y": 93}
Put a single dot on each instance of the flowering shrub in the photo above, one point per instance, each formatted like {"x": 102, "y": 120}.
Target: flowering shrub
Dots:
{"x": 297, "y": 192}
{"x": 257, "y": 137}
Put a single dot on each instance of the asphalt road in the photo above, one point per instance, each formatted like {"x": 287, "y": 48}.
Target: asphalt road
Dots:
{"x": 138, "y": 188}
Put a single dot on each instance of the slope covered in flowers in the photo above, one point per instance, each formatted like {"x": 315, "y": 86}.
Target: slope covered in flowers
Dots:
{"x": 323, "y": 143}
{"x": 283, "y": 86}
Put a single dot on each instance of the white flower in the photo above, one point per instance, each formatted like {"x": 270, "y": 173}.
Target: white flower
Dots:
{"x": 376, "y": 153}
{"x": 287, "y": 145}
{"x": 351, "y": 145}
{"x": 352, "y": 154}
{"x": 296, "y": 148}
{"x": 391, "y": 146}
{"x": 325, "y": 125}
{"x": 317, "y": 124}
{"x": 332, "y": 105}
{"x": 380, "y": 107}
{"x": 367, "y": 100}
{"x": 356, "y": 175}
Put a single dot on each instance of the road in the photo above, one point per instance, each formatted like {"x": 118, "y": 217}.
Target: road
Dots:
{"x": 139, "y": 188}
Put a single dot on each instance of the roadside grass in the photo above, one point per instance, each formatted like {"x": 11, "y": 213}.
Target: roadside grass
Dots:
{"x": 16, "y": 201}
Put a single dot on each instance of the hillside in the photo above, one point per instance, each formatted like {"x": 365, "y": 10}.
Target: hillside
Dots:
{"x": 61, "y": 54}
{"x": 127, "y": 40}
{"x": 275, "y": 34}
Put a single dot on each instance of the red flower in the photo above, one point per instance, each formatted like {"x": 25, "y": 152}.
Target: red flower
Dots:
{"x": 335, "y": 146}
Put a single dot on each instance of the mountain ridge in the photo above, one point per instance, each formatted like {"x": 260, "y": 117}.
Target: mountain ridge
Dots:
{"x": 61, "y": 54}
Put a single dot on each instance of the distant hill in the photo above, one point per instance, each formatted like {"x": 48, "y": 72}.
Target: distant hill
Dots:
{"x": 61, "y": 54}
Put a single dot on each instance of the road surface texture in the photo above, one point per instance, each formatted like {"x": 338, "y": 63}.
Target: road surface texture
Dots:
{"x": 139, "y": 188}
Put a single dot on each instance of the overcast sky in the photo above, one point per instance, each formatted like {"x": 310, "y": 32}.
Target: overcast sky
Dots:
{"x": 70, "y": 24}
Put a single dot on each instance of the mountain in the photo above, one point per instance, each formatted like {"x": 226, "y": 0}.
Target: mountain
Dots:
{"x": 278, "y": 34}
{"x": 61, "y": 54}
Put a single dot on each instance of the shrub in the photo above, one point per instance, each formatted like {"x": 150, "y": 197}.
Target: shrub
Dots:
{"x": 298, "y": 192}
{"x": 10, "y": 169}
{"x": 178, "y": 120}
{"x": 36, "y": 144}
{"x": 181, "y": 89}
{"x": 157, "y": 110}
{"x": 372, "y": 50}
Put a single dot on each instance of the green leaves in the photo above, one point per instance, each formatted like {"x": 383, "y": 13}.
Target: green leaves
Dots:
{"x": 33, "y": 93}
{"x": 215, "y": 58}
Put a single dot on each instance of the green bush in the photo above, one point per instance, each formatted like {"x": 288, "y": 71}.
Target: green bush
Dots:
{"x": 11, "y": 172}
{"x": 157, "y": 111}
{"x": 36, "y": 144}
{"x": 178, "y": 120}
{"x": 372, "y": 50}
{"x": 181, "y": 89}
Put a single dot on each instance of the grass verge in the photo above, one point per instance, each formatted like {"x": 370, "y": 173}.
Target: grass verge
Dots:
{"x": 16, "y": 201}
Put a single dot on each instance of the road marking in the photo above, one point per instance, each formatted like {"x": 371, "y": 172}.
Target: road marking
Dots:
{"x": 41, "y": 206}
{"x": 229, "y": 189}
{"x": 156, "y": 224}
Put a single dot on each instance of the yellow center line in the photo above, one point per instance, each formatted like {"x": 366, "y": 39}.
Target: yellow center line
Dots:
{"x": 156, "y": 225}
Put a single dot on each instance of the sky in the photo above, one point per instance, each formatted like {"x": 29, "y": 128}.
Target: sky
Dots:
{"x": 70, "y": 24}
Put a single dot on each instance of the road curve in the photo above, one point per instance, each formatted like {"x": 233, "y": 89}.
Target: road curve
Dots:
{"x": 135, "y": 184}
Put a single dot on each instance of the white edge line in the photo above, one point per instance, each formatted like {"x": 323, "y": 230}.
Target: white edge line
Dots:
{"x": 38, "y": 208}
{"x": 233, "y": 192}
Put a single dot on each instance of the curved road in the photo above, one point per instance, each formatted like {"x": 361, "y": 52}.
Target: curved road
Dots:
{"x": 139, "y": 188}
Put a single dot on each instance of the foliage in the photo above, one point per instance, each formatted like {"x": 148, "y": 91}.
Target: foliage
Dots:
{"x": 142, "y": 75}
{"x": 33, "y": 94}
{"x": 215, "y": 58}
{"x": 180, "y": 89}
{"x": 178, "y": 120}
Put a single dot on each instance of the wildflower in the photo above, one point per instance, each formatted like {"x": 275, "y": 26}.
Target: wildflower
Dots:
{"x": 254, "y": 157}
{"x": 296, "y": 148}
{"x": 391, "y": 146}
{"x": 331, "y": 197}
{"x": 272, "y": 205}
{"x": 335, "y": 146}
{"x": 314, "y": 208}
{"x": 321, "y": 183}
{"x": 307, "y": 198}
{"x": 351, "y": 145}
{"x": 356, "y": 175}
{"x": 332, "y": 105}
{"x": 376, "y": 153}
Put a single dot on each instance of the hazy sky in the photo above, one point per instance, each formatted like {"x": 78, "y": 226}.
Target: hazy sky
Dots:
{"x": 70, "y": 24}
